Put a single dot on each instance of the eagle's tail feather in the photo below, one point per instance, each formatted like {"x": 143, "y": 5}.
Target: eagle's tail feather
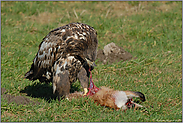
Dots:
{"x": 29, "y": 75}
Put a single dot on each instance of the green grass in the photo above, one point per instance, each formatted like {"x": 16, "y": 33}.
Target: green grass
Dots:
{"x": 150, "y": 31}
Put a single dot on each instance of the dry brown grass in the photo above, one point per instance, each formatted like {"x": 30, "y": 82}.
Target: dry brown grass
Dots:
{"x": 44, "y": 17}
{"x": 10, "y": 115}
{"x": 112, "y": 9}
{"x": 126, "y": 9}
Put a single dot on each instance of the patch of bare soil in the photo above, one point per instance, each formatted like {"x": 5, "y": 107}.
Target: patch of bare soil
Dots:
{"x": 16, "y": 99}
{"x": 112, "y": 53}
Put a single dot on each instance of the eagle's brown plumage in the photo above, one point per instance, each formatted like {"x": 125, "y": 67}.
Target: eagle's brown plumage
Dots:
{"x": 64, "y": 55}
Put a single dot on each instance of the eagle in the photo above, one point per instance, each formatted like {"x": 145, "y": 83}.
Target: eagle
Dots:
{"x": 66, "y": 54}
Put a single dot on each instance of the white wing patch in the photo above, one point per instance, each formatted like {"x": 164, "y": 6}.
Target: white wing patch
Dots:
{"x": 120, "y": 99}
{"x": 63, "y": 30}
{"x": 44, "y": 45}
{"x": 82, "y": 38}
{"x": 42, "y": 55}
{"x": 76, "y": 36}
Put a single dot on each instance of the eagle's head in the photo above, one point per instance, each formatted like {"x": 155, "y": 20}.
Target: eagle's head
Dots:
{"x": 90, "y": 64}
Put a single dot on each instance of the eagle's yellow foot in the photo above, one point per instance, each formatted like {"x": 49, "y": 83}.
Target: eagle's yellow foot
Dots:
{"x": 90, "y": 63}
{"x": 85, "y": 91}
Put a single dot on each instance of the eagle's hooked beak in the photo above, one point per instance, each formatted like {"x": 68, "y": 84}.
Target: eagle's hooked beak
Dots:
{"x": 85, "y": 91}
{"x": 90, "y": 63}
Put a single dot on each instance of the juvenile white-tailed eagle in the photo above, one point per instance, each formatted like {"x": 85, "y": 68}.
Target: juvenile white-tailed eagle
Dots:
{"x": 65, "y": 55}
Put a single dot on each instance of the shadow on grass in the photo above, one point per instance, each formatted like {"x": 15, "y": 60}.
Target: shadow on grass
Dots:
{"x": 43, "y": 91}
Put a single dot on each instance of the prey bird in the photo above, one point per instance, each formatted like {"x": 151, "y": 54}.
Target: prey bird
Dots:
{"x": 115, "y": 99}
{"x": 65, "y": 55}
{"x": 110, "y": 98}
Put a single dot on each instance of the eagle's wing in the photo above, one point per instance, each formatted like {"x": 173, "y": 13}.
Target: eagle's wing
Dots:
{"x": 75, "y": 39}
{"x": 61, "y": 83}
{"x": 66, "y": 71}
{"x": 131, "y": 94}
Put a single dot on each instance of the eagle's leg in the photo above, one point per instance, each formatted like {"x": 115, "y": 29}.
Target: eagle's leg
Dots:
{"x": 61, "y": 83}
{"x": 84, "y": 79}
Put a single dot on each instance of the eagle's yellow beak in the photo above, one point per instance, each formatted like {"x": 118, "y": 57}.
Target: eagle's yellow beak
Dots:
{"x": 85, "y": 91}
